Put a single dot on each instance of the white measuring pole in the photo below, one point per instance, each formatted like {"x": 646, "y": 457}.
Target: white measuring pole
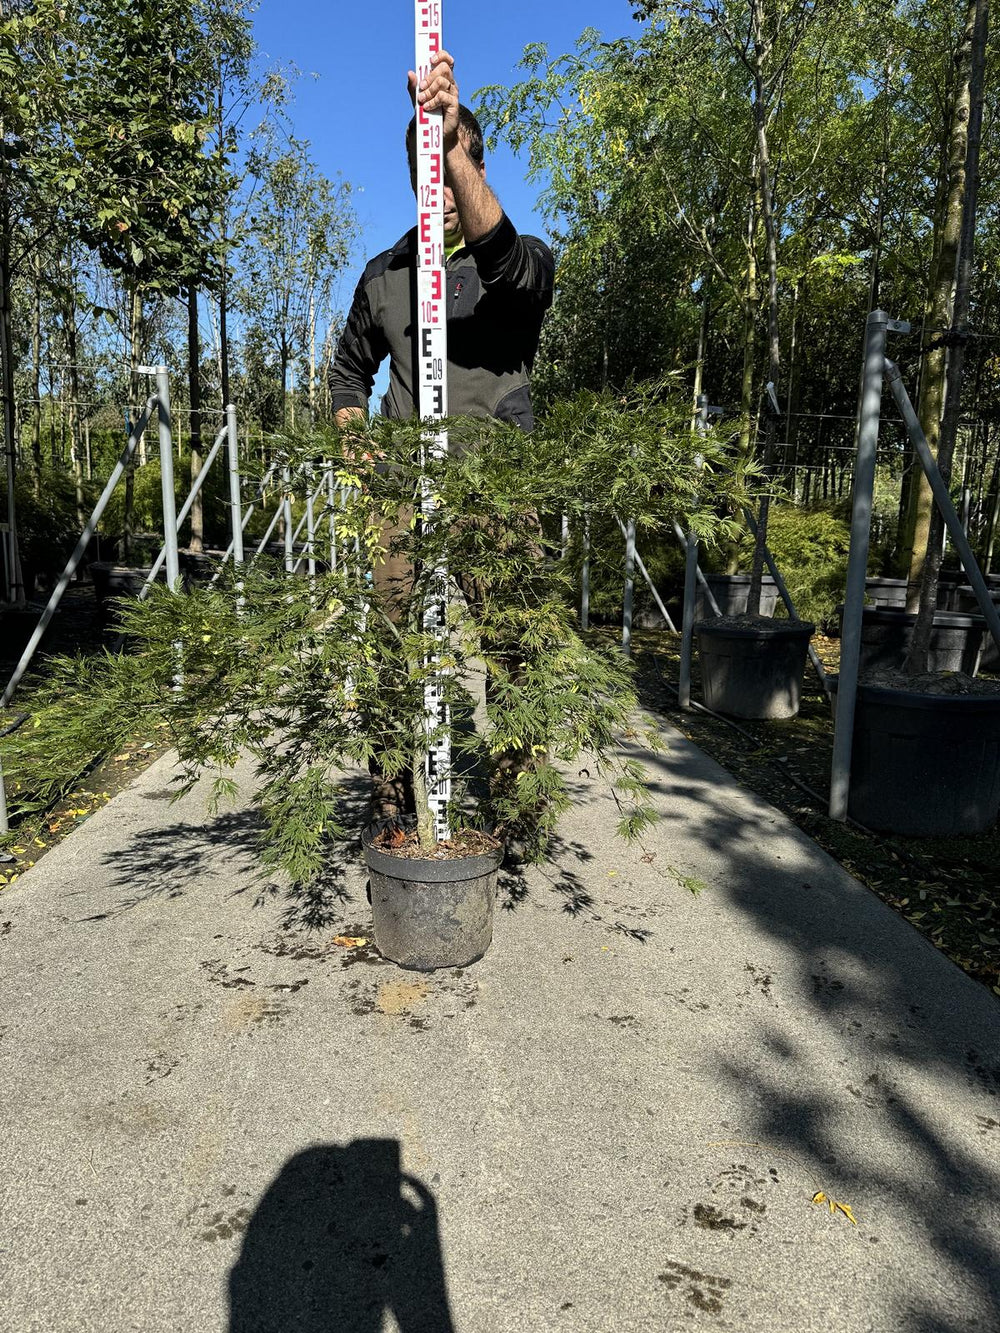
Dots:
{"x": 432, "y": 362}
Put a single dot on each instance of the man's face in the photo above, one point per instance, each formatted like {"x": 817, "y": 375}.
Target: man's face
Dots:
{"x": 452, "y": 225}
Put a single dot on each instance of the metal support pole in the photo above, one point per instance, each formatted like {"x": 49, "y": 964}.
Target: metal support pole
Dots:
{"x": 275, "y": 517}
{"x": 196, "y": 486}
{"x": 4, "y": 824}
{"x": 287, "y": 507}
{"x": 640, "y": 565}
{"x": 702, "y": 581}
{"x": 857, "y": 562}
{"x": 248, "y": 514}
{"x": 940, "y": 490}
{"x": 585, "y": 575}
{"x": 311, "y": 497}
{"x": 234, "y": 484}
{"x": 311, "y": 525}
{"x": 690, "y": 582}
{"x": 77, "y": 556}
{"x": 167, "y": 478}
{"x": 331, "y": 502}
{"x": 629, "y": 585}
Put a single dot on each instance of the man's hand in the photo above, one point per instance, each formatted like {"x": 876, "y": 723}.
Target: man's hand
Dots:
{"x": 352, "y": 422}
{"x": 439, "y": 92}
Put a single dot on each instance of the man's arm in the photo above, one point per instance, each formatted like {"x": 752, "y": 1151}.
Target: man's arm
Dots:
{"x": 360, "y": 352}
{"x": 479, "y": 209}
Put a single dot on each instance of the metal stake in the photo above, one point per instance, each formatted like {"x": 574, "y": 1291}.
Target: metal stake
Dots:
{"x": 690, "y": 582}
{"x": 167, "y": 478}
{"x": 77, "y": 556}
{"x": 331, "y": 505}
{"x": 235, "y": 509}
{"x": 585, "y": 575}
{"x": 857, "y": 562}
{"x": 287, "y": 507}
{"x": 940, "y": 490}
{"x": 196, "y": 486}
{"x": 629, "y": 586}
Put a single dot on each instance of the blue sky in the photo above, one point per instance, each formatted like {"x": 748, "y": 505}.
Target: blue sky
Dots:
{"x": 351, "y": 101}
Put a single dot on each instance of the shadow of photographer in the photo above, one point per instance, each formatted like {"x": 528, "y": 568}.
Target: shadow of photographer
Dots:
{"x": 341, "y": 1236}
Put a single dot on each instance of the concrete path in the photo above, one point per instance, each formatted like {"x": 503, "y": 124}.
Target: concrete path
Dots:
{"x": 215, "y": 1119}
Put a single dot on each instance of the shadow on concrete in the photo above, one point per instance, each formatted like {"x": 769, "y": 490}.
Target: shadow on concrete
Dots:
{"x": 905, "y": 1022}
{"x": 166, "y": 862}
{"x": 342, "y": 1236}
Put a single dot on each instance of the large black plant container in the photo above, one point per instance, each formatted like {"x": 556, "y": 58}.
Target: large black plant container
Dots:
{"x": 112, "y": 581}
{"x": 891, "y": 593}
{"x": 956, "y": 639}
{"x": 967, "y": 601}
{"x": 886, "y": 592}
{"x": 753, "y": 671}
{"x": 430, "y": 914}
{"x": 925, "y": 765}
{"x": 731, "y": 591}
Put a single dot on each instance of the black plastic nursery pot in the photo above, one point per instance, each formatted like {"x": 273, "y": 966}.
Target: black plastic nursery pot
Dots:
{"x": 949, "y": 582}
{"x": 925, "y": 765}
{"x": 886, "y": 592}
{"x": 956, "y": 639}
{"x": 198, "y": 567}
{"x": 112, "y": 580}
{"x": 430, "y": 914}
{"x": 967, "y": 601}
{"x": 731, "y": 592}
{"x": 753, "y": 671}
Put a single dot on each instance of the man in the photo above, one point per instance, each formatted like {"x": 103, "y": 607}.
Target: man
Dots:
{"x": 499, "y": 286}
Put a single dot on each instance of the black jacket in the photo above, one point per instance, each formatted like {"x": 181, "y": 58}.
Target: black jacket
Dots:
{"x": 499, "y": 289}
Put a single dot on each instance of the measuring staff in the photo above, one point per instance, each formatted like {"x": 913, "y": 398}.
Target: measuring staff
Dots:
{"x": 496, "y": 286}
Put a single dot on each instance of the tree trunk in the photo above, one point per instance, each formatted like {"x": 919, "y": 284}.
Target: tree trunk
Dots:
{"x": 312, "y": 359}
{"x": 773, "y": 336}
{"x": 197, "y": 542}
{"x": 944, "y": 386}
{"x": 751, "y": 298}
{"x": 36, "y": 375}
{"x": 699, "y": 363}
{"x": 69, "y": 329}
{"x": 15, "y": 581}
{"x": 135, "y": 393}
{"x": 224, "y": 266}
{"x": 947, "y": 244}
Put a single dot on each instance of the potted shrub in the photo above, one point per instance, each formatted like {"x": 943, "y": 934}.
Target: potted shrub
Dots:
{"x": 315, "y": 683}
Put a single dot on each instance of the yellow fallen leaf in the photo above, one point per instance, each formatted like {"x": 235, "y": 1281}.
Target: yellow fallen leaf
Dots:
{"x": 350, "y": 941}
{"x": 835, "y": 1207}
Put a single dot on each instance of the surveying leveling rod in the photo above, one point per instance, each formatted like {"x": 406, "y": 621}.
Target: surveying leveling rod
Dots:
{"x": 432, "y": 363}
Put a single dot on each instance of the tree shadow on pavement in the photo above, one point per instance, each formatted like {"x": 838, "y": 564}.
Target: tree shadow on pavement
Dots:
{"x": 873, "y": 1060}
{"x": 168, "y": 861}
{"x": 342, "y": 1236}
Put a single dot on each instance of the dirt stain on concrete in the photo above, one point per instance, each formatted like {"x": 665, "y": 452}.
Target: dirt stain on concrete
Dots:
{"x": 400, "y": 997}
{"x": 250, "y": 1010}
{"x": 705, "y": 1291}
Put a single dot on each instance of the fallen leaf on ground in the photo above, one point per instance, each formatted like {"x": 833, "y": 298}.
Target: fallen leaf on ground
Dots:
{"x": 835, "y": 1207}
{"x": 350, "y": 941}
